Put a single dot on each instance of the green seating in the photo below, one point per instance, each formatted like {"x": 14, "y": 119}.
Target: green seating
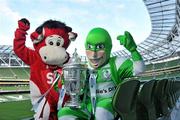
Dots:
{"x": 159, "y": 66}
{"x": 124, "y": 100}
{"x": 6, "y": 73}
{"x": 161, "y": 98}
{"x": 20, "y": 73}
{"x": 151, "y": 100}
{"x": 12, "y": 73}
{"x": 146, "y": 98}
{"x": 149, "y": 67}
{"x": 173, "y": 63}
{"x": 172, "y": 89}
{"x": 146, "y": 78}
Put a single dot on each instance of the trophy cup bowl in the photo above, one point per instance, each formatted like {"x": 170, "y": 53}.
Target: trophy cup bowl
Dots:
{"x": 74, "y": 73}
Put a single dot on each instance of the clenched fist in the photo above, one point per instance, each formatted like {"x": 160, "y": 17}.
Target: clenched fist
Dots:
{"x": 24, "y": 24}
{"x": 128, "y": 41}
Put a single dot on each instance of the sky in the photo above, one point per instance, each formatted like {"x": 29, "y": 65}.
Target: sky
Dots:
{"x": 116, "y": 16}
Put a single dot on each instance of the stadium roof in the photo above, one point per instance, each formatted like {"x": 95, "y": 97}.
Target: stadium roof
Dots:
{"x": 5, "y": 49}
{"x": 8, "y": 58}
{"x": 164, "y": 39}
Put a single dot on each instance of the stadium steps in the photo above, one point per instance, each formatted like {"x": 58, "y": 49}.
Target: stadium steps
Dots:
{"x": 5, "y": 73}
{"x": 14, "y": 80}
{"x": 11, "y": 73}
{"x": 20, "y": 73}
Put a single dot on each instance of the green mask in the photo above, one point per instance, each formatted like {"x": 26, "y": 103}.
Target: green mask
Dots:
{"x": 97, "y": 38}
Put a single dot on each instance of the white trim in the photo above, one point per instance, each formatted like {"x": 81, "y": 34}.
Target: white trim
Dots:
{"x": 103, "y": 114}
{"x": 138, "y": 67}
{"x": 68, "y": 117}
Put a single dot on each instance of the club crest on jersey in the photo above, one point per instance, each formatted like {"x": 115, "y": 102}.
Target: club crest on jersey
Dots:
{"x": 106, "y": 74}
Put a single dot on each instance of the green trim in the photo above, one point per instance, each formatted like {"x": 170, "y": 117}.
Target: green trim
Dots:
{"x": 136, "y": 56}
{"x": 125, "y": 70}
{"x": 106, "y": 104}
{"x": 75, "y": 112}
{"x": 113, "y": 70}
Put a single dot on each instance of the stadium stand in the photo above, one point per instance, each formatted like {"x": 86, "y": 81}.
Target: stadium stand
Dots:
{"x": 160, "y": 51}
{"x": 5, "y": 73}
{"x": 167, "y": 69}
{"x": 14, "y": 73}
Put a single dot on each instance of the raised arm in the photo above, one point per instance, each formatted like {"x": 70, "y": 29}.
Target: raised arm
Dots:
{"x": 27, "y": 55}
{"x": 129, "y": 43}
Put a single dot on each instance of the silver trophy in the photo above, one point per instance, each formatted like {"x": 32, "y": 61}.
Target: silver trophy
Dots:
{"x": 74, "y": 73}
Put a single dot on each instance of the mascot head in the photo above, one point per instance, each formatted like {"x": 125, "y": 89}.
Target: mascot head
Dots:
{"x": 98, "y": 46}
{"x": 50, "y": 40}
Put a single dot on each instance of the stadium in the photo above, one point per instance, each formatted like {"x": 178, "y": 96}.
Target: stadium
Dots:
{"x": 160, "y": 51}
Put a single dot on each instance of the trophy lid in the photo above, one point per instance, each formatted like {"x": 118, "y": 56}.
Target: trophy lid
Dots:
{"x": 75, "y": 60}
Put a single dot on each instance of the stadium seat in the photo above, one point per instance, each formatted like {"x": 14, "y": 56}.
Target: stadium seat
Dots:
{"x": 124, "y": 99}
{"x": 167, "y": 93}
{"x": 146, "y": 105}
{"x": 20, "y": 73}
{"x": 6, "y": 73}
{"x": 161, "y": 98}
{"x": 173, "y": 90}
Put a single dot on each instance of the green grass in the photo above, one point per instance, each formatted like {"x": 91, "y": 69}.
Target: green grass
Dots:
{"x": 15, "y": 110}
{"x": 14, "y": 87}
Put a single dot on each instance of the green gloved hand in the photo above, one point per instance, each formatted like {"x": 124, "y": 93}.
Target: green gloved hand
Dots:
{"x": 128, "y": 41}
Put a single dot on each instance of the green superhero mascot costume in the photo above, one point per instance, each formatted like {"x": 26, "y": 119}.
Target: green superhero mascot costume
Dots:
{"x": 110, "y": 71}
{"x": 105, "y": 73}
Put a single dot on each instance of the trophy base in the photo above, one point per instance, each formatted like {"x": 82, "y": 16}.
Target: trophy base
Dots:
{"x": 73, "y": 105}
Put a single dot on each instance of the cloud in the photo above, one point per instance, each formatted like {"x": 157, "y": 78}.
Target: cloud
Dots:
{"x": 120, "y": 6}
{"x": 125, "y": 23}
{"x": 7, "y": 11}
{"x": 7, "y": 22}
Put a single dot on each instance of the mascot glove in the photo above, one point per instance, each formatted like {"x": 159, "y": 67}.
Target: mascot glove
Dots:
{"x": 23, "y": 24}
{"x": 128, "y": 41}
{"x": 20, "y": 34}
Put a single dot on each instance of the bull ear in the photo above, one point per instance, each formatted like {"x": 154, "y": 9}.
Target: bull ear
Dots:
{"x": 72, "y": 36}
{"x": 36, "y": 38}
{"x": 43, "y": 32}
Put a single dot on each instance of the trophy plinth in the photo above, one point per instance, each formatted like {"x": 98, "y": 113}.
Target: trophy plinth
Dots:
{"x": 74, "y": 102}
{"x": 74, "y": 73}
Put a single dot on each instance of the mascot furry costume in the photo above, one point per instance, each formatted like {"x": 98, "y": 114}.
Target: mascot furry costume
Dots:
{"x": 50, "y": 41}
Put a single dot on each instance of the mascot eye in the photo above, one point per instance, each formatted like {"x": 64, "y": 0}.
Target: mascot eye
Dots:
{"x": 100, "y": 46}
{"x": 54, "y": 40}
{"x": 58, "y": 43}
{"x": 51, "y": 43}
{"x": 89, "y": 46}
